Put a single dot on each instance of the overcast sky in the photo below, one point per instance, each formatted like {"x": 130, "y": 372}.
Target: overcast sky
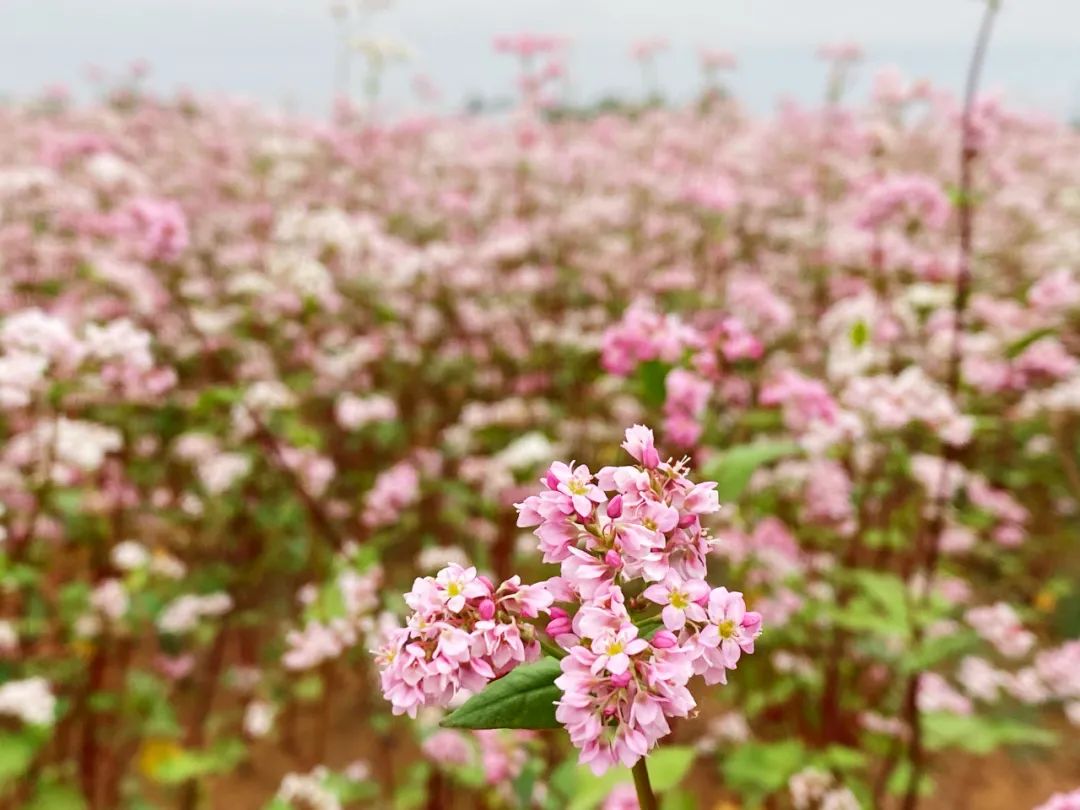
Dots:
{"x": 281, "y": 51}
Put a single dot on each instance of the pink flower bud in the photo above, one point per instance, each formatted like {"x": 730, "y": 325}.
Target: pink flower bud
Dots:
{"x": 612, "y": 559}
{"x": 614, "y": 507}
{"x": 650, "y": 458}
{"x": 620, "y": 680}
{"x": 560, "y": 623}
{"x": 559, "y": 628}
{"x": 551, "y": 480}
{"x": 687, "y": 520}
{"x": 487, "y": 583}
{"x": 664, "y": 640}
{"x": 487, "y": 609}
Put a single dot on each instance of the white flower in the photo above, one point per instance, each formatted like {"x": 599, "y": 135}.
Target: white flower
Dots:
{"x": 219, "y": 473}
{"x": 29, "y": 700}
{"x": 526, "y": 451}
{"x": 20, "y": 375}
{"x": 9, "y": 637}
{"x": 807, "y": 786}
{"x": 307, "y": 790}
{"x": 840, "y": 799}
{"x": 353, "y": 412}
{"x": 71, "y": 442}
{"x": 120, "y": 341}
{"x": 129, "y": 555}
{"x": 110, "y": 599}
{"x": 258, "y": 719}
{"x": 183, "y": 613}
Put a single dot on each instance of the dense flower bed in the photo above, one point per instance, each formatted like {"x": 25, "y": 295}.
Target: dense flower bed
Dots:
{"x": 258, "y": 374}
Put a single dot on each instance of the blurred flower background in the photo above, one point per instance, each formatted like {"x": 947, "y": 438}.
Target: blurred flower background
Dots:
{"x": 299, "y": 299}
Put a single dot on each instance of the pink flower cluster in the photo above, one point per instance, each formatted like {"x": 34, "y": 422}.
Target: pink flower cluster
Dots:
{"x": 463, "y": 633}
{"x": 1062, "y": 801}
{"x": 637, "y": 525}
{"x": 903, "y": 199}
{"x": 642, "y": 335}
{"x": 710, "y": 347}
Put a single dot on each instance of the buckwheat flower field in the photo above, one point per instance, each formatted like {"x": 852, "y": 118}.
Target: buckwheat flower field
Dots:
{"x": 660, "y": 456}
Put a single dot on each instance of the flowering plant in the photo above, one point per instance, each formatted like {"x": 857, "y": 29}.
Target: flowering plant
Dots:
{"x": 631, "y": 617}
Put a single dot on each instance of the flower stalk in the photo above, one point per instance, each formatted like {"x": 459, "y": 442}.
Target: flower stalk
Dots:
{"x": 645, "y": 796}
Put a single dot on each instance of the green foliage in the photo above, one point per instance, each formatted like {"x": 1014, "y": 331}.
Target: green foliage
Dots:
{"x": 412, "y": 793}
{"x": 733, "y": 468}
{"x": 17, "y": 751}
{"x": 651, "y": 382}
{"x": 668, "y": 766}
{"x": 55, "y": 795}
{"x": 860, "y": 333}
{"x": 757, "y": 769}
{"x": 1017, "y": 347}
{"x": 938, "y": 649}
{"x": 879, "y": 606}
{"x": 679, "y": 800}
{"x": 525, "y": 698}
{"x": 981, "y": 734}
{"x": 183, "y": 765}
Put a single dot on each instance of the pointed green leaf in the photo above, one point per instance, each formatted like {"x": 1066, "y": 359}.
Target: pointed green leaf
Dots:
{"x": 1018, "y": 347}
{"x": 652, "y": 382}
{"x": 733, "y": 468}
{"x": 525, "y": 698}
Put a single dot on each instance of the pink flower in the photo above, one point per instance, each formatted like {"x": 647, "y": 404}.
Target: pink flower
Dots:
{"x": 681, "y": 600}
{"x": 576, "y": 483}
{"x": 640, "y": 444}
{"x": 617, "y": 719}
{"x": 1062, "y": 801}
{"x": 902, "y": 199}
{"x": 730, "y": 632}
{"x": 614, "y": 648}
{"x": 457, "y": 584}
{"x": 618, "y": 688}
{"x": 462, "y": 634}
{"x": 621, "y": 797}
{"x": 447, "y": 747}
{"x": 159, "y": 228}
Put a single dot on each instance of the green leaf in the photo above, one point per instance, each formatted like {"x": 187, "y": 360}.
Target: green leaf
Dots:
{"x": 679, "y": 800}
{"x": 733, "y": 468}
{"x": 56, "y": 796}
{"x": 413, "y": 792}
{"x": 898, "y": 782}
{"x": 524, "y": 783}
{"x": 860, "y": 332}
{"x": 1016, "y": 348}
{"x": 981, "y": 735}
{"x": 309, "y": 688}
{"x": 563, "y": 781}
{"x": 652, "y": 382}
{"x": 757, "y": 769}
{"x": 843, "y": 758}
{"x": 185, "y": 765}
{"x": 16, "y": 753}
{"x": 940, "y": 648}
{"x": 669, "y": 766}
{"x": 524, "y": 698}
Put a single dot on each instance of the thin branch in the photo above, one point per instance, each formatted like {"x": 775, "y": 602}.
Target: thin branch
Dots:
{"x": 965, "y": 204}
